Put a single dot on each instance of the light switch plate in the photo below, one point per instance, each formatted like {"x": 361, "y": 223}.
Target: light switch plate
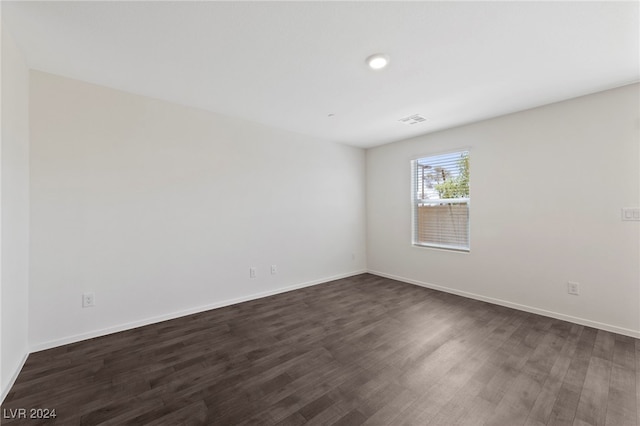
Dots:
{"x": 630, "y": 213}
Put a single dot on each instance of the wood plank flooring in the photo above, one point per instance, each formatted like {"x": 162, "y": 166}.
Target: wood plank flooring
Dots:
{"x": 363, "y": 350}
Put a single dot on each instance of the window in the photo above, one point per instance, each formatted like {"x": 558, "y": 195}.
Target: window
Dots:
{"x": 441, "y": 201}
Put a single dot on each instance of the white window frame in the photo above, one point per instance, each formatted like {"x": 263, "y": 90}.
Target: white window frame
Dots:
{"x": 417, "y": 202}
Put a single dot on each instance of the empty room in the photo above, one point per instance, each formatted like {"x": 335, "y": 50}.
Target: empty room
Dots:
{"x": 320, "y": 213}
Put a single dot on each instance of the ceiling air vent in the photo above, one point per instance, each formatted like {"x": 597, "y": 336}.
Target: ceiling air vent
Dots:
{"x": 413, "y": 119}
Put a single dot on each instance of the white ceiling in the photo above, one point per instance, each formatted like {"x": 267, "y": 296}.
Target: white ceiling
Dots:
{"x": 290, "y": 64}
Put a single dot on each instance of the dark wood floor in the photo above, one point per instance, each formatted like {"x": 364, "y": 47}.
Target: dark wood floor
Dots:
{"x": 362, "y": 350}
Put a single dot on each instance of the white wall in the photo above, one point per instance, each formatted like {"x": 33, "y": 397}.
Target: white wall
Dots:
{"x": 14, "y": 207}
{"x": 547, "y": 186}
{"x": 161, "y": 209}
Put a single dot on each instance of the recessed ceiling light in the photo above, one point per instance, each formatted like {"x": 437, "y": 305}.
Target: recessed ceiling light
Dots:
{"x": 378, "y": 61}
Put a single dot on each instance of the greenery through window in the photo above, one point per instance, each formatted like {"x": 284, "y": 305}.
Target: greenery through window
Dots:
{"x": 441, "y": 200}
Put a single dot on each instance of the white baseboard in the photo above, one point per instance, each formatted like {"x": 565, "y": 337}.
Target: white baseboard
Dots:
{"x": 526, "y": 308}
{"x": 127, "y": 326}
{"x": 14, "y": 376}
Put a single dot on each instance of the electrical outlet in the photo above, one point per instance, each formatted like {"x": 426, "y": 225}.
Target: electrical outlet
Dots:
{"x": 274, "y": 269}
{"x": 88, "y": 300}
{"x": 252, "y": 272}
{"x": 573, "y": 288}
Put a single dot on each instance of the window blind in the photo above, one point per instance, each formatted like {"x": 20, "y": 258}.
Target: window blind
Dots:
{"x": 441, "y": 201}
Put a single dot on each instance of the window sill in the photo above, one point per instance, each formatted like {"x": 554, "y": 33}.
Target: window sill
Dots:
{"x": 445, "y": 248}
